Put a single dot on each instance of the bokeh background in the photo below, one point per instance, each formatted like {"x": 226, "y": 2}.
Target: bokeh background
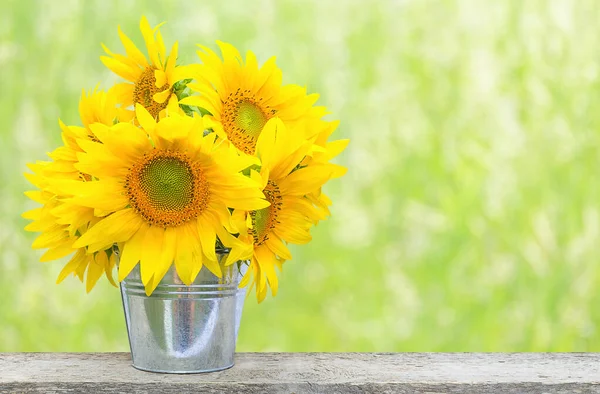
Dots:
{"x": 469, "y": 218}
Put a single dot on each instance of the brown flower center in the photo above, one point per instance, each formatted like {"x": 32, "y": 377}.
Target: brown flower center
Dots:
{"x": 144, "y": 90}
{"x": 264, "y": 220}
{"x": 167, "y": 188}
{"x": 244, "y": 117}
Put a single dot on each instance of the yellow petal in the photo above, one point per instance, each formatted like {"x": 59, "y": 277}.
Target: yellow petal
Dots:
{"x": 183, "y": 264}
{"x": 120, "y": 58}
{"x": 151, "y": 253}
{"x": 132, "y": 252}
{"x": 83, "y": 265}
{"x": 280, "y": 149}
{"x": 214, "y": 267}
{"x": 289, "y": 162}
{"x": 57, "y": 252}
{"x": 275, "y": 244}
{"x": 151, "y": 45}
{"x": 123, "y": 139}
{"x": 238, "y": 250}
{"x": 161, "y": 78}
{"x": 334, "y": 148}
{"x": 146, "y": 120}
{"x": 63, "y": 153}
{"x": 173, "y": 105}
{"x": 305, "y": 180}
{"x": 261, "y": 287}
{"x": 246, "y": 278}
{"x": 293, "y": 234}
{"x": 165, "y": 259}
{"x": 231, "y": 56}
{"x": 109, "y": 269}
{"x": 160, "y": 45}
{"x": 118, "y": 227}
{"x": 95, "y": 271}
{"x": 133, "y": 51}
{"x": 193, "y": 101}
{"x": 125, "y": 115}
{"x": 123, "y": 93}
{"x": 251, "y": 71}
{"x": 105, "y": 195}
{"x": 170, "y": 67}
{"x": 42, "y": 224}
{"x": 122, "y": 70}
{"x": 208, "y": 238}
{"x": 181, "y": 72}
{"x": 36, "y": 196}
{"x": 266, "y": 261}
{"x": 269, "y": 76}
{"x": 212, "y": 64}
{"x": 187, "y": 247}
{"x": 72, "y": 265}
{"x": 33, "y": 214}
{"x": 161, "y": 97}
{"x": 50, "y": 239}
{"x": 337, "y": 170}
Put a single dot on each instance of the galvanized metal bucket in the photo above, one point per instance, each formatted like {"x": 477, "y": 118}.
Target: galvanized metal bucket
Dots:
{"x": 184, "y": 329}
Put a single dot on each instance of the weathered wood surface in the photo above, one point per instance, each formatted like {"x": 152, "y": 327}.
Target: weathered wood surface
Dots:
{"x": 311, "y": 373}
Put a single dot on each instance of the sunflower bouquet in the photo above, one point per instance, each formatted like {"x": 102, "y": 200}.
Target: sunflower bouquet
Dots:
{"x": 179, "y": 161}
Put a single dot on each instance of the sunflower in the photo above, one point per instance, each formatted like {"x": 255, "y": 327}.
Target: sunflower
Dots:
{"x": 321, "y": 153}
{"x": 94, "y": 107}
{"x": 166, "y": 188}
{"x": 241, "y": 97}
{"x": 150, "y": 82}
{"x": 290, "y": 215}
{"x": 62, "y": 223}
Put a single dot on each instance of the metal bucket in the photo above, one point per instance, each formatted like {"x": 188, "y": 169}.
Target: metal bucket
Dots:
{"x": 184, "y": 329}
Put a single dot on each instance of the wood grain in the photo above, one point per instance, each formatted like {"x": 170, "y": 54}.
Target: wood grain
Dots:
{"x": 311, "y": 373}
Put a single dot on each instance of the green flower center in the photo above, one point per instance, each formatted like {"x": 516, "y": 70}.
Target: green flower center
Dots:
{"x": 260, "y": 222}
{"x": 168, "y": 183}
{"x": 167, "y": 188}
{"x": 250, "y": 118}
{"x": 244, "y": 116}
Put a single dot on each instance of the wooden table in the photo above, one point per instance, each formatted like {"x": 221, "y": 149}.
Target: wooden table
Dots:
{"x": 311, "y": 373}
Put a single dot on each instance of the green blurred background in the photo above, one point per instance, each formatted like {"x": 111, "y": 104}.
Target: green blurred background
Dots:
{"x": 469, "y": 218}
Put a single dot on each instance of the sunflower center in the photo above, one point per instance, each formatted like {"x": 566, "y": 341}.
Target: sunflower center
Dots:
{"x": 167, "y": 188}
{"x": 168, "y": 183}
{"x": 244, "y": 117}
{"x": 144, "y": 90}
{"x": 250, "y": 118}
{"x": 264, "y": 220}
